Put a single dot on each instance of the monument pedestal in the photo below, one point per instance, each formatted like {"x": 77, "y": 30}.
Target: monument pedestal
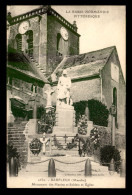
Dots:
{"x": 65, "y": 120}
{"x": 32, "y": 127}
{"x": 64, "y": 131}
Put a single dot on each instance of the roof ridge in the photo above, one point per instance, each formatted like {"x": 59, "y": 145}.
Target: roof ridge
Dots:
{"x": 94, "y": 51}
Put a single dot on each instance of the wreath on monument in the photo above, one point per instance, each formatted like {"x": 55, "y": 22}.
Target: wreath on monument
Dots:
{"x": 69, "y": 145}
{"x": 95, "y": 137}
{"x": 36, "y": 146}
{"x": 82, "y": 125}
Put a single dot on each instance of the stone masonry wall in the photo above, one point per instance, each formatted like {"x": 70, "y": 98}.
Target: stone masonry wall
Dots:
{"x": 53, "y": 28}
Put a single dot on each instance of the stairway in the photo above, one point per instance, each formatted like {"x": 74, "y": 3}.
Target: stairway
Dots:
{"x": 68, "y": 166}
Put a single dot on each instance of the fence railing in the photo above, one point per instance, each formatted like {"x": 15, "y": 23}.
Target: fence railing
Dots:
{"x": 13, "y": 167}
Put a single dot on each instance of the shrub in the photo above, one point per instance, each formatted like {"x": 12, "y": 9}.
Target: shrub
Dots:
{"x": 109, "y": 152}
{"x": 12, "y": 152}
{"x": 98, "y": 112}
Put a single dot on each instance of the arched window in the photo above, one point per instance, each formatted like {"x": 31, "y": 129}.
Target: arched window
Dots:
{"x": 58, "y": 44}
{"x": 25, "y": 42}
{"x": 62, "y": 45}
{"x": 19, "y": 42}
{"x": 32, "y": 88}
{"x": 36, "y": 89}
{"x": 29, "y": 34}
{"x": 115, "y": 104}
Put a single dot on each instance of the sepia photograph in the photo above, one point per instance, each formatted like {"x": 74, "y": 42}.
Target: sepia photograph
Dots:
{"x": 66, "y": 96}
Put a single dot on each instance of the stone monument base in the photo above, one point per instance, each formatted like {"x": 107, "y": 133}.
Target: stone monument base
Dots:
{"x": 65, "y": 120}
{"x": 64, "y": 130}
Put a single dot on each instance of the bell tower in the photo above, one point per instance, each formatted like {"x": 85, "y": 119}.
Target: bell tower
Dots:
{"x": 44, "y": 36}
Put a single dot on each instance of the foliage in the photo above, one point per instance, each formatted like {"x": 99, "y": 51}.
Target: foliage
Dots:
{"x": 82, "y": 125}
{"x": 57, "y": 143}
{"x": 109, "y": 152}
{"x": 87, "y": 147}
{"x": 80, "y": 109}
{"x": 40, "y": 112}
{"x": 71, "y": 145}
{"x": 95, "y": 137}
{"x": 47, "y": 121}
{"x": 12, "y": 152}
{"x": 105, "y": 137}
{"x": 18, "y": 112}
{"x": 98, "y": 112}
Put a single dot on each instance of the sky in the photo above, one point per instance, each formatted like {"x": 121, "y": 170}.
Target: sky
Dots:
{"x": 98, "y": 30}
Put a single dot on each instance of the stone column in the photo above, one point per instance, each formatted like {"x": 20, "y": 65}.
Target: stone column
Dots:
{"x": 113, "y": 131}
{"x": 87, "y": 111}
{"x": 113, "y": 113}
{"x": 90, "y": 123}
{"x": 35, "y": 110}
{"x": 33, "y": 122}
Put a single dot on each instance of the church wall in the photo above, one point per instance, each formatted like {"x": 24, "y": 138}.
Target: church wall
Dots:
{"x": 108, "y": 84}
{"x": 121, "y": 96}
{"x": 43, "y": 43}
{"x": 38, "y": 39}
{"x": 53, "y": 28}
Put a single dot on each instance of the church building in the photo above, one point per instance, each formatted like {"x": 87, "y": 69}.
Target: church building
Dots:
{"x": 41, "y": 44}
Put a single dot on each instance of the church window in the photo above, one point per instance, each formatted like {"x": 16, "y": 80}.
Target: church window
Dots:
{"x": 35, "y": 89}
{"x": 115, "y": 104}
{"x": 29, "y": 50}
{"x": 62, "y": 46}
{"x": 58, "y": 44}
{"x": 9, "y": 80}
{"x": 25, "y": 42}
{"x": 19, "y": 42}
{"x": 32, "y": 88}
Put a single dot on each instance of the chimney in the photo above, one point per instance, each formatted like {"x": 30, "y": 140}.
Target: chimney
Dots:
{"x": 75, "y": 25}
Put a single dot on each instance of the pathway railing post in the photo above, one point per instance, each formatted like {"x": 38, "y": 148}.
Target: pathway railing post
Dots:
{"x": 123, "y": 168}
{"x": 51, "y": 168}
{"x": 112, "y": 165}
{"x": 88, "y": 168}
{"x": 13, "y": 167}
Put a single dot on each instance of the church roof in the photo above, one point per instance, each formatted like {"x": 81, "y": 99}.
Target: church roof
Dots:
{"x": 84, "y": 65}
{"x": 20, "y": 62}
